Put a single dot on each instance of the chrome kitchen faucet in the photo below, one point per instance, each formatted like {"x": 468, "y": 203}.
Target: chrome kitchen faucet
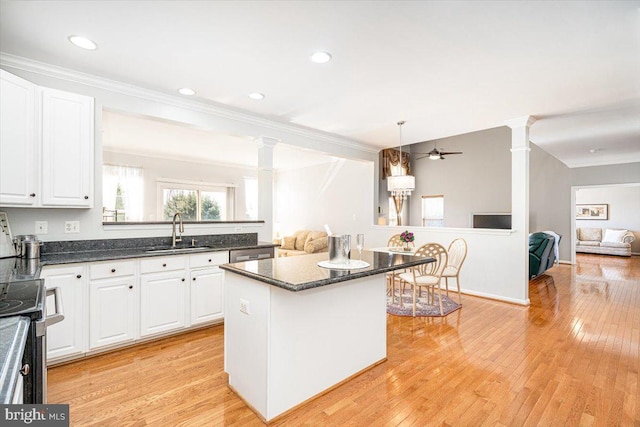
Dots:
{"x": 175, "y": 239}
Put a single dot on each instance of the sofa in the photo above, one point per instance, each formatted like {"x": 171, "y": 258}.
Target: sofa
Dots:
{"x": 604, "y": 241}
{"x": 302, "y": 242}
{"x": 541, "y": 253}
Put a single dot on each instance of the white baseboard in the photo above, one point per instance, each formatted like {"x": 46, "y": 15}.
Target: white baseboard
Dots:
{"x": 562, "y": 261}
{"x": 496, "y": 297}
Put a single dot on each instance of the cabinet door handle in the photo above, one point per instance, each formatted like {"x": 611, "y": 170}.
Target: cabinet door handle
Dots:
{"x": 194, "y": 279}
{"x": 113, "y": 270}
{"x": 209, "y": 260}
{"x": 183, "y": 279}
{"x": 79, "y": 276}
{"x": 131, "y": 287}
{"x": 24, "y": 371}
{"x": 32, "y": 195}
{"x": 164, "y": 265}
{"x": 86, "y": 197}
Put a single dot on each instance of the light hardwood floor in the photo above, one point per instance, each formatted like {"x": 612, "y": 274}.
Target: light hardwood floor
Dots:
{"x": 571, "y": 358}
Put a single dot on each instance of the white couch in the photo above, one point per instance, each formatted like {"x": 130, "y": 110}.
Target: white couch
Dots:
{"x": 605, "y": 242}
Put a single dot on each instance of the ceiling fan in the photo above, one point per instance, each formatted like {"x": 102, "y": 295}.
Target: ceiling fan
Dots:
{"x": 436, "y": 154}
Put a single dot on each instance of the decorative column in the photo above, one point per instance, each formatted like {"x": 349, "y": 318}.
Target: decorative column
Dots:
{"x": 520, "y": 195}
{"x": 265, "y": 184}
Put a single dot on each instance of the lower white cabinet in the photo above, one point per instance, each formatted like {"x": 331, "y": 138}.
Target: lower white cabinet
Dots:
{"x": 112, "y": 311}
{"x": 115, "y": 303}
{"x": 206, "y": 295}
{"x": 162, "y": 302}
{"x": 69, "y": 337}
{"x": 206, "y": 287}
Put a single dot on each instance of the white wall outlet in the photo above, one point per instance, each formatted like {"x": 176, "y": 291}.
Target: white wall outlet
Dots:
{"x": 238, "y": 229}
{"x": 72, "y": 226}
{"x": 244, "y": 306}
{"x": 42, "y": 227}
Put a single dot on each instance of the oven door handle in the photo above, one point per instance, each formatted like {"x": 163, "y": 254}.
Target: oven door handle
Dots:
{"x": 58, "y": 316}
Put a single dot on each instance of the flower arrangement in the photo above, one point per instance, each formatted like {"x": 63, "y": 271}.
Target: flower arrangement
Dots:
{"x": 407, "y": 237}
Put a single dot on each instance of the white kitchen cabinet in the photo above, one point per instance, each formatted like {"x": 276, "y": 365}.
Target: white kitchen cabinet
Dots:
{"x": 206, "y": 295}
{"x": 69, "y": 337}
{"x": 163, "y": 294}
{"x": 18, "y": 141}
{"x": 162, "y": 302}
{"x": 206, "y": 282}
{"x": 67, "y": 149}
{"x": 113, "y": 311}
{"x": 46, "y": 146}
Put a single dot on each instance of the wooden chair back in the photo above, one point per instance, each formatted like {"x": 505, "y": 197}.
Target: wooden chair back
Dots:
{"x": 435, "y": 251}
{"x": 457, "y": 253}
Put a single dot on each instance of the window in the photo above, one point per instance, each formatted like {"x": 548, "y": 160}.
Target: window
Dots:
{"x": 196, "y": 201}
{"x": 122, "y": 193}
{"x": 433, "y": 211}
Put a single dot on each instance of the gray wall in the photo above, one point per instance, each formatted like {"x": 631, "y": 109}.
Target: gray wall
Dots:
{"x": 624, "y": 205}
{"x": 477, "y": 181}
{"x": 611, "y": 174}
{"x": 550, "y": 197}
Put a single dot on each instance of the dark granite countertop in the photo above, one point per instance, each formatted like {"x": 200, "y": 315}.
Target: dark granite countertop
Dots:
{"x": 13, "y": 336}
{"x": 302, "y": 272}
{"x": 55, "y": 253}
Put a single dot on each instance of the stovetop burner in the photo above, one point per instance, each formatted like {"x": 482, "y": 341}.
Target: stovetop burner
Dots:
{"x": 10, "y": 305}
{"x": 25, "y": 298}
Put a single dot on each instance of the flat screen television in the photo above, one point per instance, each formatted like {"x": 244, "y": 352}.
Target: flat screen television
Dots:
{"x": 491, "y": 220}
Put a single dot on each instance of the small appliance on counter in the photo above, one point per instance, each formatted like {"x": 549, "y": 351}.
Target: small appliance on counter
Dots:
{"x": 28, "y": 246}
{"x": 7, "y": 248}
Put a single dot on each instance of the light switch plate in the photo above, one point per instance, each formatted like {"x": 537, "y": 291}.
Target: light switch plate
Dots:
{"x": 42, "y": 227}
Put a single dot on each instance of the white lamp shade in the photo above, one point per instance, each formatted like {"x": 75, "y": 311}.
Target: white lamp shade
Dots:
{"x": 401, "y": 182}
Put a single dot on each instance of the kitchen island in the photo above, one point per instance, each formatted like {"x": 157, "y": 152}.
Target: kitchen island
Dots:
{"x": 294, "y": 330}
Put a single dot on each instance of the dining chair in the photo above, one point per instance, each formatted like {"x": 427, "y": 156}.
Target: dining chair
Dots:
{"x": 457, "y": 253}
{"x": 394, "y": 242}
{"x": 427, "y": 275}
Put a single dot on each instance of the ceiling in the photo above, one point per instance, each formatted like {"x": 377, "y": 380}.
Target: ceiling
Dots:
{"x": 446, "y": 68}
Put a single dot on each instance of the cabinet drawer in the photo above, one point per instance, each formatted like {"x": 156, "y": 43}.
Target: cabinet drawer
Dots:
{"x": 208, "y": 259}
{"x": 165, "y": 263}
{"x": 103, "y": 270}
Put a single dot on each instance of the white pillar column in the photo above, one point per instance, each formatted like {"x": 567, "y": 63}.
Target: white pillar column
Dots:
{"x": 265, "y": 185}
{"x": 520, "y": 196}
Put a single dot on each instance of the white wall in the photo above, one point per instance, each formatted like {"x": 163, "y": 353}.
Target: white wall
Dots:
{"x": 550, "y": 198}
{"x": 129, "y": 99}
{"x": 624, "y": 208}
{"x": 339, "y": 193}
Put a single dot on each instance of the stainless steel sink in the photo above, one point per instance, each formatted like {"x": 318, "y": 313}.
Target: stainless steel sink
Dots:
{"x": 177, "y": 250}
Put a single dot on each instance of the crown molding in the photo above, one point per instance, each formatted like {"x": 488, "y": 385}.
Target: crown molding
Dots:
{"x": 29, "y": 65}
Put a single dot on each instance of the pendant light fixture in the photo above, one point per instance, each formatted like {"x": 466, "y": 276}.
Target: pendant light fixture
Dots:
{"x": 400, "y": 186}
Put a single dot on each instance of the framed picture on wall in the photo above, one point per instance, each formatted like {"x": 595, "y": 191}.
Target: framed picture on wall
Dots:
{"x": 592, "y": 211}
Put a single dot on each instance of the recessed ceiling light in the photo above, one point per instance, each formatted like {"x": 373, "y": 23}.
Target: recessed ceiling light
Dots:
{"x": 321, "y": 57}
{"x": 256, "y": 95}
{"x": 187, "y": 91}
{"x": 595, "y": 150}
{"x": 83, "y": 42}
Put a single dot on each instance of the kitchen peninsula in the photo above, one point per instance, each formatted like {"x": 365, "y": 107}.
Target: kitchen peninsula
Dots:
{"x": 294, "y": 330}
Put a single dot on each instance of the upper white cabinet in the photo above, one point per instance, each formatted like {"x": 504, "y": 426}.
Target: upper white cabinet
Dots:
{"x": 18, "y": 142}
{"x": 67, "y": 149}
{"x": 46, "y": 146}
